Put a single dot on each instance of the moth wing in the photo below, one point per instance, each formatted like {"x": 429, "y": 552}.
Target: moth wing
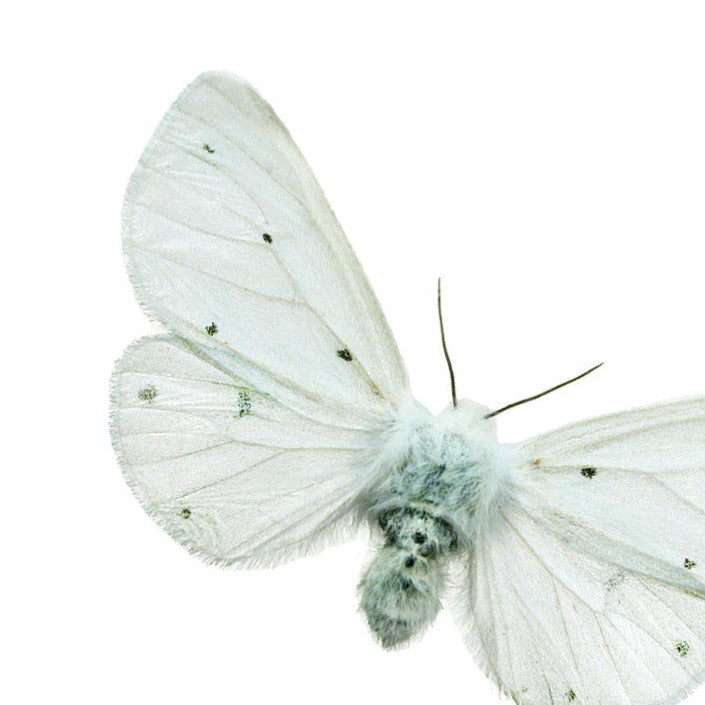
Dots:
{"x": 241, "y": 434}
{"x": 229, "y": 471}
{"x": 231, "y": 244}
{"x": 590, "y": 585}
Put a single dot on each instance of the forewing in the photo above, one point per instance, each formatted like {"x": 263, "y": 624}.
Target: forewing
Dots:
{"x": 231, "y": 244}
{"x": 229, "y": 471}
{"x": 589, "y": 587}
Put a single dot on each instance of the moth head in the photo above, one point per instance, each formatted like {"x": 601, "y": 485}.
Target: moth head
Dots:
{"x": 468, "y": 414}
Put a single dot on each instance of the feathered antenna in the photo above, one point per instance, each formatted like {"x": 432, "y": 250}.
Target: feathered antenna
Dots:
{"x": 445, "y": 349}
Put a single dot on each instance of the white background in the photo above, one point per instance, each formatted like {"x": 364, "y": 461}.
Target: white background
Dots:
{"x": 545, "y": 157}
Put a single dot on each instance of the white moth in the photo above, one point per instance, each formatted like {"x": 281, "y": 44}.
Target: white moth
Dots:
{"x": 275, "y": 417}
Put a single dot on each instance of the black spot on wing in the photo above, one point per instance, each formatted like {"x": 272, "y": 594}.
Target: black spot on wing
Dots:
{"x": 588, "y": 472}
{"x": 687, "y": 563}
{"x": 185, "y": 513}
{"x": 614, "y": 581}
{"x": 148, "y": 393}
{"x": 212, "y": 329}
{"x": 682, "y": 647}
{"x": 267, "y": 237}
{"x": 208, "y": 148}
{"x": 345, "y": 354}
{"x": 244, "y": 401}
{"x": 570, "y": 695}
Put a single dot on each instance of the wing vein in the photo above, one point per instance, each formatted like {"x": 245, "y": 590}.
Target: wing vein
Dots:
{"x": 201, "y": 231}
{"x": 210, "y": 275}
{"x": 243, "y": 151}
{"x": 227, "y": 478}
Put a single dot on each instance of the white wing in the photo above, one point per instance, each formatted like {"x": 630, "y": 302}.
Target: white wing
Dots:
{"x": 230, "y": 472}
{"x": 241, "y": 434}
{"x": 590, "y": 586}
{"x": 230, "y": 242}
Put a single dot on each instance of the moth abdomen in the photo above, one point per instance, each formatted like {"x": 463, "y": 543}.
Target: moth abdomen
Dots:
{"x": 401, "y": 588}
{"x": 400, "y": 594}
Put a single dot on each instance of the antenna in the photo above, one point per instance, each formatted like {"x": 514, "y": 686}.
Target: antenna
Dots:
{"x": 543, "y": 394}
{"x": 445, "y": 349}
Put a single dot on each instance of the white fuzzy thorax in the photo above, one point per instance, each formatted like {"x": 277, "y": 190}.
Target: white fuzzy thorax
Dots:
{"x": 476, "y": 475}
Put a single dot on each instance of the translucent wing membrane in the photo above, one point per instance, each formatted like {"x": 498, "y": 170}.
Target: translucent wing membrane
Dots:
{"x": 231, "y": 243}
{"x": 240, "y": 433}
{"x": 590, "y": 586}
{"x": 226, "y": 469}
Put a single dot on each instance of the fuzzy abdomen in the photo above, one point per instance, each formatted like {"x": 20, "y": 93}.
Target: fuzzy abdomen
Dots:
{"x": 401, "y": 589}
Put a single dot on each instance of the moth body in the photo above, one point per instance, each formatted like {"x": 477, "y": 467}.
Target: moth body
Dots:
{"x": 442, "y": 476}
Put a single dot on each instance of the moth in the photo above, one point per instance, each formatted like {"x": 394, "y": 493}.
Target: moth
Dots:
{"x": 275, "y": 418}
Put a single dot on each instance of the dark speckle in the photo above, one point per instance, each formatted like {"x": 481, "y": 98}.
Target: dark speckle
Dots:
{"x": 419, "y": 537}
{"x": 682, "y": 647}
{"x": 588, "y": 472}
{"x": 244, "y": 401}
{"x": 345, "y": 354}
{"x": 208, "y": 148}
{"x": 267, "y": 237}
{"x": 687, "y": 563}
{"x": 614, "y": 581}
{"x": 570, "y": 695}
{"x": 409, "y": 562}
{"x": 212, "y": 329}
{"x": 148, "y": 393}
{"x": 185, "y": 513}
{"x": 405, "y": 584}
